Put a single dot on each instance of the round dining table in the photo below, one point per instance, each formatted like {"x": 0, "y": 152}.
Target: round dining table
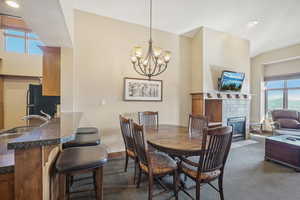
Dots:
{"x": 174, "y": 140}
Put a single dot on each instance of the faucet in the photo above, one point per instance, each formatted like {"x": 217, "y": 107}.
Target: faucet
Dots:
{"x": 47, "y": 117}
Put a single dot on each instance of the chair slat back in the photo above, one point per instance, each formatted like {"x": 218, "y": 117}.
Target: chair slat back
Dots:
{"x": 197, "y": 124}
{"x": 217, "y": 143}
{"x": 148, "y": 118}
{"x": 127, "y": 133}
{"x": 140, "y": 143}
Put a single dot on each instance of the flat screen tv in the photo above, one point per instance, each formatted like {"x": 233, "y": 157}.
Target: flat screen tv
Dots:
{"x": 231, "y": 81}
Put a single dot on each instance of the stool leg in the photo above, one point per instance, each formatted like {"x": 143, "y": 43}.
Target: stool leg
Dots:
{"x": 62, "y": 186}
{"x": 99, "y": 183}
{"x": 94, "y": 181}
{"x": 126, "y": 163}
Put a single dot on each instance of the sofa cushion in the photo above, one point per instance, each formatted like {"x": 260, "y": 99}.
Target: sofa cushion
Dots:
{"x": 289, "y": 123}
{"x": 285, "y": 114}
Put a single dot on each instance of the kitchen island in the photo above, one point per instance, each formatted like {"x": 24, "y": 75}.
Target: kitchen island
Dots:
{"x": 27, "y": 159}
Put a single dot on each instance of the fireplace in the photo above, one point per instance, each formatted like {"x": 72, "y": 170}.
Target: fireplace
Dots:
{"x": 238, "y": 127}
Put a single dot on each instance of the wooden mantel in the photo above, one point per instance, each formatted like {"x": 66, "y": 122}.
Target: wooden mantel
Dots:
{"x": 222, "y": 95}
{"x": 210, "y": 103}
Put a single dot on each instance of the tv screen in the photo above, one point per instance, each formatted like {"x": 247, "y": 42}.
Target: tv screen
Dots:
{"x": 231, "y": 81}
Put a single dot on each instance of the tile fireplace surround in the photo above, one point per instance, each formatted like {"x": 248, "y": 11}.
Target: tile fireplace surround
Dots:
{"x": 221, "y": 106}
{"x": 232, "y": 108}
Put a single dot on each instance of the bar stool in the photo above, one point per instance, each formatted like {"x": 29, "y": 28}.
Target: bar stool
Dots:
{"x": 87, "y": 130}
{"x": 85, "y": 136}
{"x": 80, "y": 160}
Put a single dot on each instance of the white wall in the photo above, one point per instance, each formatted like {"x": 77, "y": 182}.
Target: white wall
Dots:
{"x": 102, "y": 49}
{"x": 257, "y": 74}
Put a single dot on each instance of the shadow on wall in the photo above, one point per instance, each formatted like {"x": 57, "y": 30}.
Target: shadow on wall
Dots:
{"x": 185, "y": 75}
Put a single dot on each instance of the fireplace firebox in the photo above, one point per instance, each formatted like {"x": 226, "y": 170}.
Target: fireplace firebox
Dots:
{"x": 238, "y": 127}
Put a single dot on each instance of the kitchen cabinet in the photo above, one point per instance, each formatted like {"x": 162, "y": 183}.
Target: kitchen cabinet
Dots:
{"x": 7, "y": 186}
{"x": 1, "y": 104}
{"x": 51, "y": 71}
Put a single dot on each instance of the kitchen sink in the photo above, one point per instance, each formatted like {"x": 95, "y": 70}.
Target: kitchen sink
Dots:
{"x": 16, "y": 130}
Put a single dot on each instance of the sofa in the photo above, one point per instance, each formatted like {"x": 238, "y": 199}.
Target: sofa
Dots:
{"x": 286, "y": 122}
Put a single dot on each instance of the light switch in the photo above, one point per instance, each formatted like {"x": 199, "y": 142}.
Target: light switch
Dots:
{"x": 103, "y": 102}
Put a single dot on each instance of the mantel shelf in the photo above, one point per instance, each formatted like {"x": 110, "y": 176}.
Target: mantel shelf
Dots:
{"x": 215, "y": 95}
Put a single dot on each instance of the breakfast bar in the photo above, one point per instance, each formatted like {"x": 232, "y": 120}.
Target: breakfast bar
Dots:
{"x": 27, "y": 159}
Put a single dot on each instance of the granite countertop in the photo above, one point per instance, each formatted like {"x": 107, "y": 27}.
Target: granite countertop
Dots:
{"x": 57, "y": 131}
{"x": 7, "y": 158}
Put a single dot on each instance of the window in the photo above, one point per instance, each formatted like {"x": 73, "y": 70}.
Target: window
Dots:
{"x": 282, "y": 94}
{"x": 22, "y": 42}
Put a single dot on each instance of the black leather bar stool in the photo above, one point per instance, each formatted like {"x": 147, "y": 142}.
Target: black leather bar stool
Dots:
{"x": 85, "y": 136}
{"x": 87, "y": 130}
{"x": 80, "y": 160}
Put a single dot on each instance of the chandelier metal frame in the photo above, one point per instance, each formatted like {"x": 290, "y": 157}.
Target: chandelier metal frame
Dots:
{"x": 155, "y": 61}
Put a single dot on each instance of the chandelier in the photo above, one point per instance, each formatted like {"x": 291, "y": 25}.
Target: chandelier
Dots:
{"x": 154, "y": 62}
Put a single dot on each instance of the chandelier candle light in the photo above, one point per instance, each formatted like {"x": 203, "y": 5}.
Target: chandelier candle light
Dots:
{"x": 155, "y": 61}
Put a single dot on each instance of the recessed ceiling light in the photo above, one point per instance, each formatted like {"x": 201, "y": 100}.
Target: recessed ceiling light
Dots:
{"x": 12, "y": 3}
{"x": 252, "y": 23}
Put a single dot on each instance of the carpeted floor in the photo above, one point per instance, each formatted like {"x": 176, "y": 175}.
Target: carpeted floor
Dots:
{"x": 247, "y": 177}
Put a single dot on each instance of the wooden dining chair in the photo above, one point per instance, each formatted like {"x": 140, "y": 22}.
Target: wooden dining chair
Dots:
{"x": 130, "y": 151}
{"x": 148, "y": 118}
{"x": 197, "y": 124}
{"x": 154, "y": 164}
{"x": 210, "y": 163}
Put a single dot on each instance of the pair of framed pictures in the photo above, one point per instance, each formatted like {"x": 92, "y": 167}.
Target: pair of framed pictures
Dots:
{"x": 142, "y": 89}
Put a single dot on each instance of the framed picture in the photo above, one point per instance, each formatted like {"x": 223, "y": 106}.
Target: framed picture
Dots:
{"x": 142, "y": 89}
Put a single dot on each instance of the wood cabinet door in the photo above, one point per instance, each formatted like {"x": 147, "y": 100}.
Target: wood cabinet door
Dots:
{"x": 51, "y": 71}
{"x": 197, "y": 104}
{"x": 1, "y": 104}
{"x": 7, "y": 186}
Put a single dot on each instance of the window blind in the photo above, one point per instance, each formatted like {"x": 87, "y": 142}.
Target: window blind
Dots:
{"x": 282, "y": 71}
{"x": 7, "y": 22}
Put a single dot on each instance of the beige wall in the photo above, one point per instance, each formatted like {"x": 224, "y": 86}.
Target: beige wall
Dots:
{"x": 67, "y": 80}
{"x": 223, "y": 51}
{"x": 197, "y": 62}
{"x": 257, "y": 74}
{"x": 19, "y": 64}
{"x": 215, "y": 51}
{"x": 102, "y": 49}
{"x": 15, "y": 100}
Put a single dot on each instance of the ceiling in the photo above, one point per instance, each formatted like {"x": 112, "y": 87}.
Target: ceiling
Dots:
{"x": 278, "y": 19}
{"x": 4, "y": 9}
{"x": 43, "y": 17}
